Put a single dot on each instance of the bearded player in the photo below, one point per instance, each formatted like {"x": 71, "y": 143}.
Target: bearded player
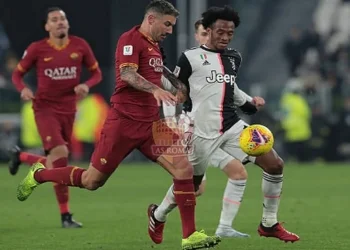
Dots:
{"x": 215, "y": 96}
{"x": 130, "y": 123}
{"x": 58, "y": 61}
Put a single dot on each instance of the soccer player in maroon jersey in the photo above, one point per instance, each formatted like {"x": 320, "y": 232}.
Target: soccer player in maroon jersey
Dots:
{"x": 132, "y": 123}
{"x": 58, "y": 61}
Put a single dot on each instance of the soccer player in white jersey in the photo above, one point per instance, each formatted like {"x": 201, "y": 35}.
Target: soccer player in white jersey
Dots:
{"x": 210, "y": 73}
{"x": 237, "y": 176}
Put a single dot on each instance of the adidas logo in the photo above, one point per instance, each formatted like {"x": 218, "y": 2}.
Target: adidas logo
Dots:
{"x": 206, "y": 63}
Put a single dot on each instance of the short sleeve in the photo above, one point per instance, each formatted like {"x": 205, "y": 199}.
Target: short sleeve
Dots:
{"x": 28, "y": 59}
{"x": 89, "y": 58}
{"x": 128, "y": 51}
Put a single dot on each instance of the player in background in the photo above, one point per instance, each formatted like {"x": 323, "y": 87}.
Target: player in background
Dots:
{"x": 133, "y": 115}
{"x": 215, "y": 96}
{"x": 237, "y": 177}
{"x": 58, "y": 60}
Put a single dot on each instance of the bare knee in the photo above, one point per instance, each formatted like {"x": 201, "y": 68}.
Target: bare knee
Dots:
{"x": 271, "y": 163}
{"x": 276, "y": 167}
{"x": 235, "y": 170}
{"x": 59, "y": 152}
{"x": 183, "y": 169}
{"x": 92, "y": 179}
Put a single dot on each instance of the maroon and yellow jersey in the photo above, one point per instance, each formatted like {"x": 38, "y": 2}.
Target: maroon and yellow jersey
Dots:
{"x": 137, "y": 50}
{"x": 58, "y": 71}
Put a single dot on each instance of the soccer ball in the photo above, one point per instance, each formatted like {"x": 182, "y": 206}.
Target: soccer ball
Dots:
{"x": 256, "y": 140}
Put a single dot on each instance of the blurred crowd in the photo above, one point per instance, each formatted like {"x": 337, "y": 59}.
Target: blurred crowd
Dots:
{"x": 314, "y": 111}
{"x": 315, "y": 103}
{"x": 8, "y": 62}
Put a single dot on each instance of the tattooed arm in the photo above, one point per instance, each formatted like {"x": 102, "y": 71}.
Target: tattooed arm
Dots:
{"x": 129, "y": 75}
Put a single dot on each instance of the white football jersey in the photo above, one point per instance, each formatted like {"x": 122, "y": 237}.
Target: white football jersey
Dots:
{"x": 210, "y": 77}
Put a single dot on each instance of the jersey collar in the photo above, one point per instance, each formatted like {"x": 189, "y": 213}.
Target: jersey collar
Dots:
{"x": 149, "y": 39}
{"x": 212, "y": 50}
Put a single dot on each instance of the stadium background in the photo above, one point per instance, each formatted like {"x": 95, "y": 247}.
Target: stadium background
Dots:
{"x": 281, "y": 53}
{"x": 295, "y": 55}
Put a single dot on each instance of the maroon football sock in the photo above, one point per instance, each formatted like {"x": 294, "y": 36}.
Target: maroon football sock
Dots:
{"x": 68, "y": 176}
{"x": 186, "y": 201}
{"x": 31, "y": 158}
{"x": 62, "y": 193}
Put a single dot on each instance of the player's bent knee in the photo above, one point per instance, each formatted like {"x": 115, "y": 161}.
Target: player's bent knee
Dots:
{"x": 183, "y": 169}
{"x": 278, "y": 166}
{"x": 235, "y": 170}
{"x": 93, "y": 185}
{"x": 93, "y": 179}
{"x": 59, "y": 152}
{"x": 242, "y": 174}
{"x": 184, "y": 173}
{"x": 271, "y": 163}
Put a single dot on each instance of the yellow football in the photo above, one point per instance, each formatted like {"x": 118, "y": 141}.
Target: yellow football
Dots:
{"x": 256, "y": 140}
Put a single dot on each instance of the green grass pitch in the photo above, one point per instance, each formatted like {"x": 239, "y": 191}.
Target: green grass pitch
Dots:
{"x": 315, "y": 204}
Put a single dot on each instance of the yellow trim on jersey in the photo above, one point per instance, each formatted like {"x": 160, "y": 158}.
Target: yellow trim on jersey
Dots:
{"x": 94, "y": 66}
{"x": 56, "y": 47}
{"x": 148, "y": 38}
{"x": 133, "y": 65}
{"x": 20, "y": 68}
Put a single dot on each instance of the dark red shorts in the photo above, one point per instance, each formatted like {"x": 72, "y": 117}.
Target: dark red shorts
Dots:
{"x": 120, "y": 136}
{"x": 54, "y": 129}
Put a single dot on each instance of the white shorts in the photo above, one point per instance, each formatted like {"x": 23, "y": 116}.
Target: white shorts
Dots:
{"x": 219, "y": 151}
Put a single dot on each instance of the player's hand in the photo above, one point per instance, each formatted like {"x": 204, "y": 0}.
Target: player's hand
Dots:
{"x": 180, "y": 97}
{"x": 258, "y": 101}
{"x": 27, "y": 94}
{"x": 164, "y": 96}
{"x": 81, "y": 90}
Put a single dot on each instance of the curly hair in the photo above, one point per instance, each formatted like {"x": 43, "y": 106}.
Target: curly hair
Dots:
{"x": 213, "y": 14}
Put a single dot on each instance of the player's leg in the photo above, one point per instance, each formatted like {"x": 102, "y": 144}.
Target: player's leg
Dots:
{"x": 55, "y": 131}
{"x": 182, "y": 193}
{"x": 105, "y": 159}
{"x": 60, "y": 126}
{"x": 17, "y": 156}
{"x": 233, "y": 194}
{"x": 272, "y": 166}
{"x": 201, "y": 188}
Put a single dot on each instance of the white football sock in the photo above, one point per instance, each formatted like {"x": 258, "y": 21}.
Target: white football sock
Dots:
{"x": 232, "y": 200}
{"x": 272, "y": 188}
{"x": 167, "y": 205}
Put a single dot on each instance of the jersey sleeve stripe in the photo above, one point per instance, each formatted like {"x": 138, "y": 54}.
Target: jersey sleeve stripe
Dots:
{"x": 20, "y": 68}
{"x": 94, "y": 66}
{"x": 133, "y": 65}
